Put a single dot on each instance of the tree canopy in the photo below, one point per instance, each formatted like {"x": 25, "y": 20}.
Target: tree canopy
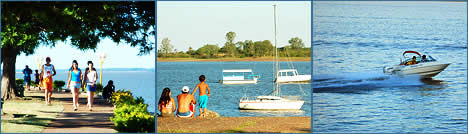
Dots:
{"x": 27, "y": 25}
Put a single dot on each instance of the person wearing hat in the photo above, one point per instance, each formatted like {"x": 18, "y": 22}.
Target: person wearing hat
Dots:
{"x": 27, "y": 76}
{"x": 185, "y": 100}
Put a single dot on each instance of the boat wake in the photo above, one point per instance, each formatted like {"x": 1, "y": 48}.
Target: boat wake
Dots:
{"x": 361, "y": 82}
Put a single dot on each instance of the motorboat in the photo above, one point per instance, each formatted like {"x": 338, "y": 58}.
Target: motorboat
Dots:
{"x": 291, "y": 75}
{"x": 425, "y": 66}
{"x": 274, "y": 101}
{"x": 239, "y": 76}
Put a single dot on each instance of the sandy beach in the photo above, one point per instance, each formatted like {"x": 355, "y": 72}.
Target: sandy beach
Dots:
{"x": 234, "y": 125}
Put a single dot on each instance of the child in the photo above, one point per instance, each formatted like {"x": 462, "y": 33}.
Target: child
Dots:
{"x": 203, "y": 97}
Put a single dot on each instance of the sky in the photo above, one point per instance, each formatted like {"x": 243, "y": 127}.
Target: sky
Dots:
{"x": 195, "y": 24}
{"x": 62, "y": 55}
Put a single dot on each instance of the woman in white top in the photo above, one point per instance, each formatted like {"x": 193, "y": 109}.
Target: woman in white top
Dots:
{"x": 47, "y": 71}
{"x": 90, "y": 78}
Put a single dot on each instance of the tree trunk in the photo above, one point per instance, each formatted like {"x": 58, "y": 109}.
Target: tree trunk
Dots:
{"x": 8, "y": 73}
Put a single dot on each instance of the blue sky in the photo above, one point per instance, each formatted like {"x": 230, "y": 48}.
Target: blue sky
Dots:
{"x": 199, "y": 23}
{"x": 62, "y": 55}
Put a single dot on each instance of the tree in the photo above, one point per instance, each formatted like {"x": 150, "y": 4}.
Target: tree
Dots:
{"x": 263, "y": 48}
{"x": 208, "y": 50}
{"x": 190, "y": 51}
{"x": 229, "y": 47}
{"x": 27, "y": 25}
{"x": 296, "y": 43}
{"x": 166, "y": 46}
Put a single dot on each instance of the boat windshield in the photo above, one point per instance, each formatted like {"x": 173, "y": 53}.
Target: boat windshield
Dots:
{"x": 419, "y": 59}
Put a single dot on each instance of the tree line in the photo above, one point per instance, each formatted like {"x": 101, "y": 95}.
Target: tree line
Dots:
{"x": 240, "y": 49}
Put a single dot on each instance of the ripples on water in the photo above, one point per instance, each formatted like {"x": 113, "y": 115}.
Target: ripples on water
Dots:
{"x": 354, "y": 40}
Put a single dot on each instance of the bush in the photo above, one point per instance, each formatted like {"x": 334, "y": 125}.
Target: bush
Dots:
{"x": 58, "y": 84}
{"x": 19, "y": 87}
{"x": 99, "y": 88}
{"x": 131, "y": 115}
{"x": 19, "y": 82}
{"x": 133, "y": 118}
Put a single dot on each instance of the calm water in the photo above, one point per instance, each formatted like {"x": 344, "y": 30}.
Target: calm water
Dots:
{"x": 140, "y": 83}
{"x": 224, "y": 99}
{"x": 354, "y": 40}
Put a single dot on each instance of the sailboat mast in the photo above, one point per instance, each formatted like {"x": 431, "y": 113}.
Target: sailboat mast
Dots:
{"x": 276, "y": 53}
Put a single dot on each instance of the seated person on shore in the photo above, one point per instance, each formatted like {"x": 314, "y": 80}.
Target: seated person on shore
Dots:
{"x": 166, "y": 103}
{"x": 185, "y": 100}
{"x": 108, "y": 90}
{"x": 413, "y": 61}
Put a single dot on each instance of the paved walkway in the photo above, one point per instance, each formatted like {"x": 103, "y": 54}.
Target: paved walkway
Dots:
{"x": 81, "y": 121}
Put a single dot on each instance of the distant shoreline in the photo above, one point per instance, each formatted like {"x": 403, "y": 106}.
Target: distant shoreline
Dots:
{"x": 232, "y": 59}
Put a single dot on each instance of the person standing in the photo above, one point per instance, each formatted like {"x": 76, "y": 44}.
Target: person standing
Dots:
{"x": 36, "y": 81}
{"x": 90, "y": 78}
{"x": 47, "y": 71}
{"x": 27, "y": 76}
{"x": 74, "y": 83}
{"x": 203, "y": 96}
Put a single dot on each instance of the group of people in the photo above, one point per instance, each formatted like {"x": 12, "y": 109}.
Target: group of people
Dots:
{"x": 76, "y": 81}
{"x": 186, "y": 101}
{"x": 413, "y": 60}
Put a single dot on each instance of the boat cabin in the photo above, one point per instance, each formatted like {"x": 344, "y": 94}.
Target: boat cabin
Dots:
{"x": 287, "y": 72}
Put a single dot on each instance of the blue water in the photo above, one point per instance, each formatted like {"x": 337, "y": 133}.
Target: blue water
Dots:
{"x": 353, "y": 40}
{"x": 140, "y": 83}
{"x": 225, "y": 98}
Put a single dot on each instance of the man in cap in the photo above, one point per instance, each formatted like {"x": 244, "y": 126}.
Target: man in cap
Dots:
{"x": 185, "y": 100}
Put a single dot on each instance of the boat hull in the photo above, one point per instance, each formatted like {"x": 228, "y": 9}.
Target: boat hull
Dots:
{"x": 270, "y": 105}
{"x": 291, "y": 79}
{"x": 240, "y": 82}
{"x": 425, "y": 70}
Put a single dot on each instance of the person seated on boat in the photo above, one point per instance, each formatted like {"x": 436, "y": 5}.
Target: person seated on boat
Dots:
{"x": 185, "y": 100}
{"x": 413, "y": 61}
{"x": 166, "y": 103}
{"x": 423, "y": 59}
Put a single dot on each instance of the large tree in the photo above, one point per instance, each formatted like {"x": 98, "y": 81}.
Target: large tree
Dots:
{"x": 28, "y": 25}
{"x": 166, "y": 46}
{"x": 229, "y": 47}
{"x": 296, "y": 43}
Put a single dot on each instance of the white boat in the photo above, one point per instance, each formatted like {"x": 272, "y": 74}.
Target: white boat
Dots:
{"x": 269, "y": 103}
{"x": 239, "y": 76}
{"x": 274, "y": 101}
{"x": 291, "y": 75}
{"x": 425, "y": 67}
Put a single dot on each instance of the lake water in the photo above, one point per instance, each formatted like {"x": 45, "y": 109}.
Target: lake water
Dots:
{"x": 140, "y": 83}
{"x": 224, "y": 99}
{"x": 353, "y": 41}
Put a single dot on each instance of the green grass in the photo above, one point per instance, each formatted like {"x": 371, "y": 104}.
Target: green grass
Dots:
{"x": 36, "y": 114}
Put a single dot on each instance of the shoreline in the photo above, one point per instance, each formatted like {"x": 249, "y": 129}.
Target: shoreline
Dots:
{"x": 232, "y": 59}
{"x": 234, "y": 125}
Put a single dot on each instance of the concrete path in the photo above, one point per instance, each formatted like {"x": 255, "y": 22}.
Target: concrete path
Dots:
{"x": 81, "y": 121}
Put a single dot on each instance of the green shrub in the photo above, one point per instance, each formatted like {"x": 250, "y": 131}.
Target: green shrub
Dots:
{"x": 131, "y": 115}
{"x": 19, "y": 82}
{"x": 19, "y": 87}
{"x": 99, "y": 87}
{"x": 133, "y": 118}
{"x": 58, "y": 84}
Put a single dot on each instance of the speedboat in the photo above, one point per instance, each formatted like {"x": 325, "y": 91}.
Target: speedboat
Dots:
{"x": 425, "y": 66}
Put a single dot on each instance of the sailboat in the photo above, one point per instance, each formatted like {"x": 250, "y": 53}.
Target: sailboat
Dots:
{"x": 274, "y": 101}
